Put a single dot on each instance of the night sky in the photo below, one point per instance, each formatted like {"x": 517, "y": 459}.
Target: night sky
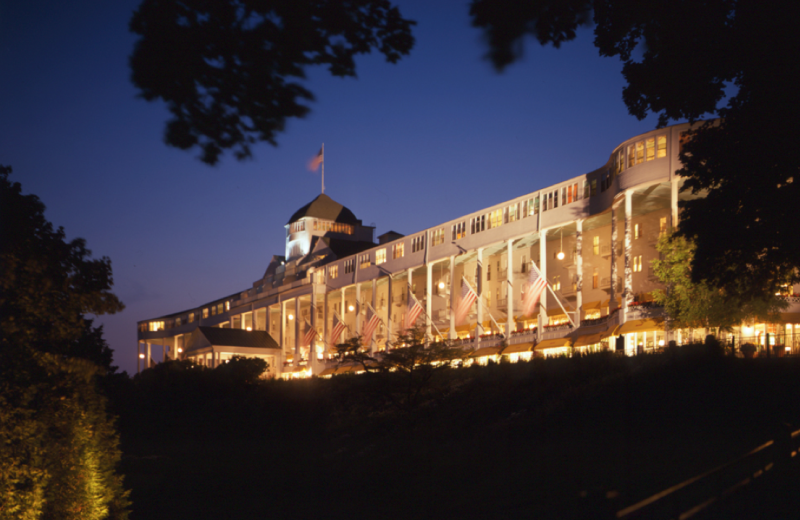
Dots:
{"x": 407, "y": 146}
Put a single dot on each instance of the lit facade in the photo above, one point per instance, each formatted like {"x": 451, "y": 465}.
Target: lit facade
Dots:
{"x": 605, "y": 222}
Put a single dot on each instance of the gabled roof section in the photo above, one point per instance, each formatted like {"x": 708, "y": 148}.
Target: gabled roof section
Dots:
{"x": 342, "y": 248}
{"x": 324, "y": 207}
{"x": 235, "y": 338}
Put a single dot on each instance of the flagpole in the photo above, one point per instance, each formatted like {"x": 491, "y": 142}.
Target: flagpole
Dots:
{"x": 480, "y": 302}
{"x": 426, "y": 314}
{"x": 323, "y": 168}
{"x": 558, "y": 300}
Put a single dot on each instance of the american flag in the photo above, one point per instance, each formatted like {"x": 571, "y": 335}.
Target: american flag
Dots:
{"x": 536, "y": 284}
{"x": 338, "y": 327}
{"x": 468, "y": 297}
{"x": 309, "y": 335}
{"x": 414, "y": 310}
{"x": 315, "y": 161}
{"x": 370, "y": 325}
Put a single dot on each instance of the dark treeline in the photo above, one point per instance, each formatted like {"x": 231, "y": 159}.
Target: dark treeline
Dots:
{"x": 502, "y": 440}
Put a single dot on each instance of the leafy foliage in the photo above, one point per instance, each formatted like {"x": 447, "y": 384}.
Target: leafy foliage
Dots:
{"x": 58, "y": 445}
{"x": 691, "y": 304}
{"x": 678, "y": 60}
{"x": 228, "y": 69}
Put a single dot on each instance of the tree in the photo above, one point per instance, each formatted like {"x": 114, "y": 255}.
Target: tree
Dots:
{"x": 405, "y": 374}
{"x": 228, "y": 69}
{"x": 679, "y": 58}
{"x": 700, "y": 305}
{"x": 58, "y": 444}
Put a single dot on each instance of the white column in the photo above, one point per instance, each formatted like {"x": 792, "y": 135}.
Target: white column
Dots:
{"x": 542, "y": 269}
{"x": 389, "y": 306}
{"x": 579, "y": 271}
{"x": 453, "y": 298}
{"x": 325, "y": 331}
{"x": 428, "y": 300}
{"x": 674, "y": 201}
{"x": 479, "y": 282}
{"x": 297, "y": 331}
{"x": 372, "y": 344}
{"x": 509, "y": 288}
{"x": 148, "y": 355}
{"x": 409, "y": 286}
{"x": 612, "y": 303}
{"x": 282, "y": 324}
{"x": 358, "y": 309}
{"x": 627, "y": 292}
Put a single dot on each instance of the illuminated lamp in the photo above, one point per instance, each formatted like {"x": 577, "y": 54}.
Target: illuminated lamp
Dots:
{"x": 291, "y": 316}
{"x": 141, "y": 356}
{"x": 249, "y": 329}
{"x": 560, "y": 254}
{"x": 441, "y": 285}
{"x": 351, "y": 308}
{"x": 180, "y": 351}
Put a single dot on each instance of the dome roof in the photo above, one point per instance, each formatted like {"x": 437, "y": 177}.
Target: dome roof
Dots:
{"x": 325, "y": 208}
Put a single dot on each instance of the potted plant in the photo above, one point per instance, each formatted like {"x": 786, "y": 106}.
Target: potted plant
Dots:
{"x": 748, "y": 350}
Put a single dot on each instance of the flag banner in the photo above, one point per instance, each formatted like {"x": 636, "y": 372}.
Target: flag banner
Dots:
{"x": 414, "y": 310}
{"x": 468, "y": 297}
{"x": 533, "y": 290}
{"x": 338, "y": 327}
{"x": 309, "y": 335}
{"x": 369, "y": 327}
{"x": 315, "y": 161}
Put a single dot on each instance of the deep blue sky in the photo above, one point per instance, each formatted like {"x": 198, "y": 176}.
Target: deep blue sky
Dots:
{"x": 407, "y": 146}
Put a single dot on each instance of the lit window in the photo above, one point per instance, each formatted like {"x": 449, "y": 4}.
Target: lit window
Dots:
{"x": 557, "y": 283}
{"x": 398, "y": 250}
{"x": 637, "y": 264}
{"x": 191, "y": 317}
{"x": 437, "y": 237}
{"x": 650, "y": 148}
{"x": 205, "y": 313}
{"x": 495, "y": 218}
{"x": 595, "y": 278}
{"x": 380, "y": 256}
{"x": 512, "y": 212}
{"x": 637, "y": 232}
{"x": 459, "y": 230}
{"x": 661, "y": 146}
{"x": 363, "y": 260}
{"x": 596, "y": 245}
{"x": 333, "y": 272}
{"x": 662, "y": 226}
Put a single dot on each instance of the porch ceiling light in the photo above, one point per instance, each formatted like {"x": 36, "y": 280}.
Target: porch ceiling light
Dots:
{"x": 291, "y": 316}
{"x": 441, "y": 285}
{"x": 560, "y": 254}
{"x": 141, "y": 356}
{"x": 351, "y": 308}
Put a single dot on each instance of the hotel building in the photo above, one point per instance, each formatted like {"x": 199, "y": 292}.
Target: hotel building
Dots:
{"x": 594, "y": 236}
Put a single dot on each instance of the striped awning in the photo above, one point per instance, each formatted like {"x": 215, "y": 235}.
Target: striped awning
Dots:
{"x": 552, "y": 343}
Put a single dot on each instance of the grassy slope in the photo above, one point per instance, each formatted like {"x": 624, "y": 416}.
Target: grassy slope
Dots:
{"x": 504, "y": 441}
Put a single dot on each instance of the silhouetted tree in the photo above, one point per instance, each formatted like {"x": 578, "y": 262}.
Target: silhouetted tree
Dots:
{"x": 404, "y": 375}
{"x": 679, "y": 58}
{"x": 228, "y": 69}
{"x": 58, "y": 446}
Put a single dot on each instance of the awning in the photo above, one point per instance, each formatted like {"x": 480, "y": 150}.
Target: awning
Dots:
{"x": 592, "y": 306}
{"x": 521, "y": 347}
{"x": 328, "y": 372}
{"x": 552, "y": 343}
{"x": 589, "y": 339}
{"x": 645, "y": 325}
{"x": 485, "y": 351}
